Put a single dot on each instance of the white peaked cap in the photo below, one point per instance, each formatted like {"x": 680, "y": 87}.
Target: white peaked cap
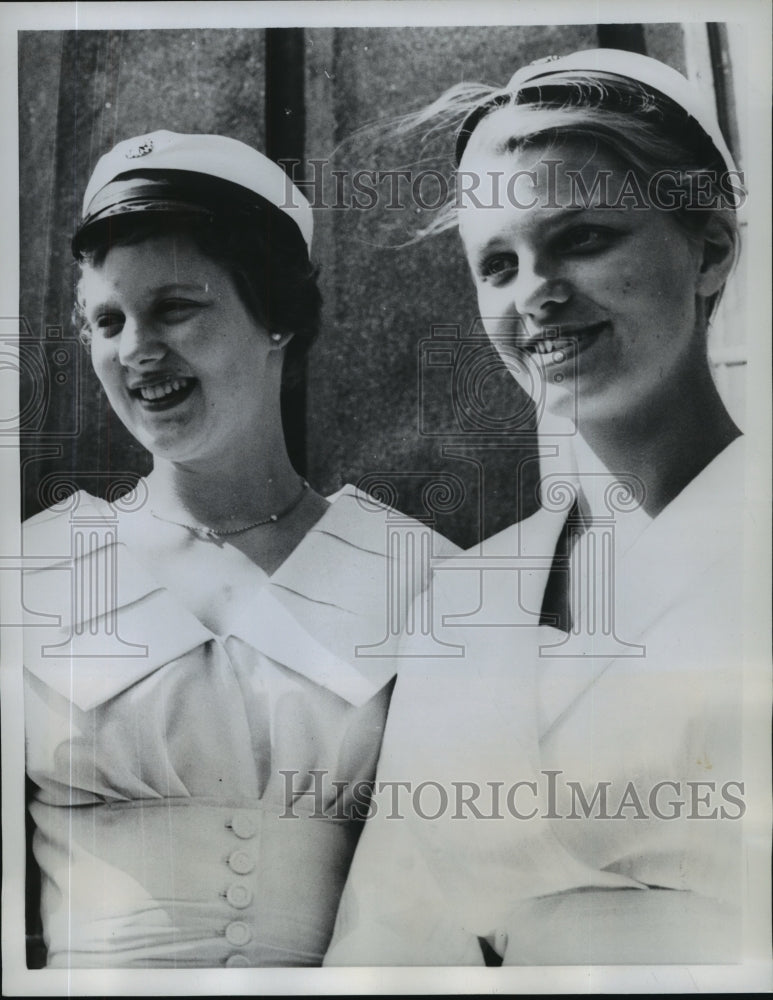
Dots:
{"x": 209, "y": 155}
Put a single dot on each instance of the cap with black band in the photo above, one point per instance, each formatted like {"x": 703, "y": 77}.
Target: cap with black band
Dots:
{"x": 652, "y": 73}
{"x": 187, "y": 174}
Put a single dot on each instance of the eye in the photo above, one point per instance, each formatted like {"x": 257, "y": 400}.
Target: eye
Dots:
{"x": 586, "y": 238}
{"x": 499, "y": 267}
{"x": 109, "y": 323}
{"x": 177, "y": 310}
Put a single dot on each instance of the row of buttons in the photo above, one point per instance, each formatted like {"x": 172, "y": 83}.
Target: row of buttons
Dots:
{"x": 239, "y": 894}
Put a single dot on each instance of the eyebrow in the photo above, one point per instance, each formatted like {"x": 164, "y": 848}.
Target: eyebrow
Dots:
{"x": 177, "y": 286}
{"x": 555, "y": 222}
{"x": 109, "y": 304}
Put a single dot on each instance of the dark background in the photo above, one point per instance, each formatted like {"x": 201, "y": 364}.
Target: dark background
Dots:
{"x": 375, "y": 406}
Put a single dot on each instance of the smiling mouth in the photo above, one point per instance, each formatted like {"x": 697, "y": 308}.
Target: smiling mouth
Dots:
{"x": 562, "y": 344}
{"x": 164, "y": 393}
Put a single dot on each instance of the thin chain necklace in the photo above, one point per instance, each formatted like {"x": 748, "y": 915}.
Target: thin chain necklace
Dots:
{"x": 207, "y": 532}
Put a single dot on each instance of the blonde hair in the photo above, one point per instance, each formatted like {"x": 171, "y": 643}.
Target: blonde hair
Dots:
{"x": 644, "y": 129}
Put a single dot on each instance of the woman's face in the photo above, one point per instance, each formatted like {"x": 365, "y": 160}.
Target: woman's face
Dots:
{"x": 601, "y": 298}
{"x": 183, "y": 362}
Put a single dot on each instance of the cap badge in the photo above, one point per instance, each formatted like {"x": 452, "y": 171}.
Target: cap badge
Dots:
{"x": 142, "y": 149}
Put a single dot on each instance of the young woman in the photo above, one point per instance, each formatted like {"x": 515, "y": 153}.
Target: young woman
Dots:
{"x": 570, "y": 788}
{"x": 198, "y": 720}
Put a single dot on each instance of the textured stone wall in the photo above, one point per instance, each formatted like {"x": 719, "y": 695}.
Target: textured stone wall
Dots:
{"x": 435, "y": 424}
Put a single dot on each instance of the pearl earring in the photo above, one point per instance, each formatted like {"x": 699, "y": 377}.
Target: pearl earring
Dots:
{"x": 276, "y": 337}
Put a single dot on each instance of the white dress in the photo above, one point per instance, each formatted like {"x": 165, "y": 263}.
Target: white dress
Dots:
{"x": 653, "y": 724}
{"x": 198, "y": 796}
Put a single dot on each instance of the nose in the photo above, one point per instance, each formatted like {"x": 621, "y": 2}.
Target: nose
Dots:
{"x": 139, "y": 343}
{"x": 538, "y": 289}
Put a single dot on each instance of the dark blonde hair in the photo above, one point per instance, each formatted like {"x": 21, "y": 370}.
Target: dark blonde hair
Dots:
{"x": 641, "y": 127}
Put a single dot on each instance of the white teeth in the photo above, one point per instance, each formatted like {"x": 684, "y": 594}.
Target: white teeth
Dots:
{"x": 549, "y": 346}
{"x": 560, "y": 345}
{"x": 151, "y": 393}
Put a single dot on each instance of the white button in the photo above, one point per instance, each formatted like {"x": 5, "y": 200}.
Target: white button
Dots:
{"x": 237, "y": 962}
{"x": 241, "y": 862}
{"x": 239, "y": 895}
{"x": 238, "y": 933}
{"x": 244, "y": 826}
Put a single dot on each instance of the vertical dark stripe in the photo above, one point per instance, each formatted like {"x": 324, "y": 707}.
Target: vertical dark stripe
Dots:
{"x": 629, "y": 37}
{"x": 723, "y": 87}
{"x": 36, "y": 947}
{"x": 285, "y": 140}
{"x": 557, "y": 599}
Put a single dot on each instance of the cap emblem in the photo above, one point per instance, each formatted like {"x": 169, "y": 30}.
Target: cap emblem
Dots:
{"x": 142, "y": 149}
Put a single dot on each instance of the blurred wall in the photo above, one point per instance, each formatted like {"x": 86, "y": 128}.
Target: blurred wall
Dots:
{"x": 434, "y": 421}
{"x": 427, "y": 425}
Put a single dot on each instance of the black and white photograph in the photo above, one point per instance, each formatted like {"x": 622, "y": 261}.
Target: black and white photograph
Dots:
{"x": 386, "y": 521}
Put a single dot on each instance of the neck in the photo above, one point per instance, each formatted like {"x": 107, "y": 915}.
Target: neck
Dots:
{"x": 229, "y": 491}
{"x": 665, "y": 444}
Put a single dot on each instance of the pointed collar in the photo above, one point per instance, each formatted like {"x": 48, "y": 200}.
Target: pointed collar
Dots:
{"x": 323, "y": 602}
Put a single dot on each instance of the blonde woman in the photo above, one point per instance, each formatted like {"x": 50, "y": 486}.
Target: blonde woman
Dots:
{"x": 572, "y": 783}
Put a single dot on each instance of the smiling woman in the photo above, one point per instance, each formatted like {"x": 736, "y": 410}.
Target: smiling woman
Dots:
{"x": 183, "y": 362}
{"x": 200, "y": 730}
{"x": 605, "y": 662}
{"x": 607, "y": 299}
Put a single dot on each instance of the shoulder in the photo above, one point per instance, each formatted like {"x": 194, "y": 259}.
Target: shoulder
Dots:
{"x": 365, "y": 521}
{"x": 77, "y": 540}
{"x": 50, "y": 532}
{"x": 360, "y": 559}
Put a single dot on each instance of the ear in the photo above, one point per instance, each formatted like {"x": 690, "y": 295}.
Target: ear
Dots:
{"x": 717, "y": 257}
{"x": 280, "y": 340}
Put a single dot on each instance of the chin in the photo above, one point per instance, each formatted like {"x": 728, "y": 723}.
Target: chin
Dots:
{"x": 559, "y": 402}
{"x": 169, "y": 451}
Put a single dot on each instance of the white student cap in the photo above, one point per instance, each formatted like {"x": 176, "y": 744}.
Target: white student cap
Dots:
{"x": 111, "y": 193}
{"x": 654, "y": 74}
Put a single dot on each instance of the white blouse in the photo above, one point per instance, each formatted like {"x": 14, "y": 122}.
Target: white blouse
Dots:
{"x": 532, "y": 731}
{"x": 199, "y": 796}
